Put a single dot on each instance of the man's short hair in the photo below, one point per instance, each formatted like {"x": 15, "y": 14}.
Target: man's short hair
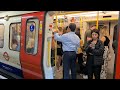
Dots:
{"x": 72, "y": 26}
{"x": 66, "y": 28}
{"x": 60, "y": 28}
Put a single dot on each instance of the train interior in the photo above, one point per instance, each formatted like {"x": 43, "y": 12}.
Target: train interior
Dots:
{"x": 106, "y": 21}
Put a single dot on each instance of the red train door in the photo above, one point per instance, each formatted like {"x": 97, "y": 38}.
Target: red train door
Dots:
{"x": 31, "y": 45}
{"x": 117, "y": 61}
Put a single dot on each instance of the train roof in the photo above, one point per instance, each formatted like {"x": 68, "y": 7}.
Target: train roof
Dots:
{"x": 13, "y": 13}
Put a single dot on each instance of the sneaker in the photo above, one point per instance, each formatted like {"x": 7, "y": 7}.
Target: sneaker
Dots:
{"x": 53, "y": 69}
{"x": 81, "y": 75}
{"x": 85, "y": 77}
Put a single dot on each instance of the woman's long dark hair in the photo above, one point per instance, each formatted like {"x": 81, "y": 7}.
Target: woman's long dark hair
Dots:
{"x": 78, "y": 32}
{"x": 96, "y": 31}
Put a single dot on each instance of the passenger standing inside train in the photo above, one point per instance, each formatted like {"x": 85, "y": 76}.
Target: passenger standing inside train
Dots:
{"x": 1, "y": 41}
{"x": 30, "y": 46}
{"x": 70, "y": 42}
{"x": 79, "y": 52}
{"x": 115, "y": 36}
{"x": 18, "y": 46}
{"x": 106, "y": 56}
{"x": 59, "y": 49}
{"x": 95, "y": 50}
{"x": 88, "y": 35}
{"x": 14, "y": 44}
{"x": 14, "y": 35}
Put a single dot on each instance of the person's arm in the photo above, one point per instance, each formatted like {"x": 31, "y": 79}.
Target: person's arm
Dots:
{"x": 58, "y": 37}
{"x": 88, "y": 49}
{"x": 78, "y": 44}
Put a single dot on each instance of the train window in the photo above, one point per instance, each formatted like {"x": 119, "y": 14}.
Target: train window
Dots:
{"x": 15, "y": 31}
{"x": 32, "y": 36}
{"x": 1, "y": 35}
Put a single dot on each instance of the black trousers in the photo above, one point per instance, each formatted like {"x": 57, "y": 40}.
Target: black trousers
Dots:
{"x": 69, "y": 63}
{"x": 80, "y": 62}
{"x": 93, "y": 69}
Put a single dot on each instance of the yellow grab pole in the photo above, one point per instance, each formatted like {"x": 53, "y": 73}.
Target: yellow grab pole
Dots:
{"x": 56, "y": 21}
{"x": 60, "y": 21}
{"x": 64, "y": 18}
{"x": 49, "y": 53}
{"x": 81, "y": 25}
{"x": 97, "y": 20}
{"x": 56, "y": 41}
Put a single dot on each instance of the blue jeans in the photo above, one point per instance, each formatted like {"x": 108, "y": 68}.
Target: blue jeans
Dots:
{"x": 69, "y": 63}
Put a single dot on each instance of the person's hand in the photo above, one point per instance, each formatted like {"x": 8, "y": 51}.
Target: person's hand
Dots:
{"x": 55, "y": 31}
{"x": 91, "y": 45}
{"x": 88, "y": 38}
{"x": 60, "y": 33}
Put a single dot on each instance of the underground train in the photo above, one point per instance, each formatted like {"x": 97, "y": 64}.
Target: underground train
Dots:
{"x": 25, "y": 44}
{"x": 19, "y": 32}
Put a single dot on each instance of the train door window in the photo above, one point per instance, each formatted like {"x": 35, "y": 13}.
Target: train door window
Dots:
{"x": 32, "y": 36}
{"x": 1, "y": 35}
{"x": 15, "y": 31}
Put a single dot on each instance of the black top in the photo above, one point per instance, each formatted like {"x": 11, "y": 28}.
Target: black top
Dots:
{"x": 106, "y": 41}
{"x": 59, "y": 43}
{"x": 78, "y": 34}
{"x": 115, "y": 33}
{"x": 95, "y": 56}
{"x": 59, "y": 50}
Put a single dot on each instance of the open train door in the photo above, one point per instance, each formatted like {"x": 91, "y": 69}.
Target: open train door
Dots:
{"x": 117, "y": 53}
{"x": 31, "y": 45}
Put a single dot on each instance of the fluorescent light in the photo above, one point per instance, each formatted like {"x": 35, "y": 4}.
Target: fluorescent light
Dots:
{"x": 87, "y": 14}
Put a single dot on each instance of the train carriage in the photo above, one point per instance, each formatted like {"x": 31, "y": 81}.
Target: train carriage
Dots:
{"x": 26, "y": 36}
{"x": 24, "y": 44}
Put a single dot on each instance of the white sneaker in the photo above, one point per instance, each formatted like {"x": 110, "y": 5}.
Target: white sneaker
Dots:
{"x": 53, "y": 69}
{"x": 85, "y": 77}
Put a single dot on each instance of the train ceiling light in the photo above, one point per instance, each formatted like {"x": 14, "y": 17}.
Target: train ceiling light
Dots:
{"x": 89, "y": 13}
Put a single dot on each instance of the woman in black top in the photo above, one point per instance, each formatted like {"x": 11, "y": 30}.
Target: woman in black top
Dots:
{"x": 80, "y": 53}
{"x": 94, "y": 50}
{"x": 106, "y": 42}
{"x": 59, "y": 50}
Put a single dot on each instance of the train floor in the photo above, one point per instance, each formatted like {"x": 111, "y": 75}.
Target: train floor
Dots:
{"x": 59, "y": 74}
